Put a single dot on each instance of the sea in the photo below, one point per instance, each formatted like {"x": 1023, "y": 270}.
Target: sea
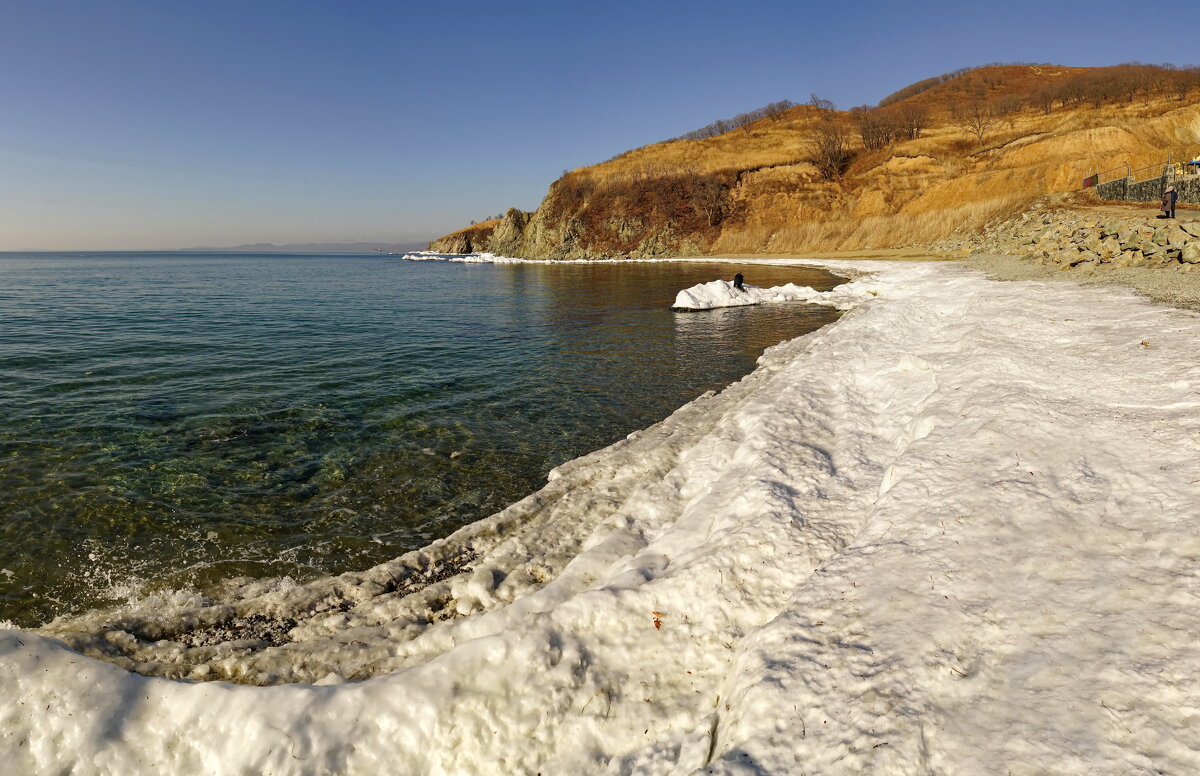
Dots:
{"x": 175, "y": 421}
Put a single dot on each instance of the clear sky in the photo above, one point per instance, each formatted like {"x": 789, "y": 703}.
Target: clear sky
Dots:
{"x": 171, "y": 123}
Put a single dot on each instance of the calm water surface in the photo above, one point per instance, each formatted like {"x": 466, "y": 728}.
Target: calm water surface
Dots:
{"x": 171, "y": 421}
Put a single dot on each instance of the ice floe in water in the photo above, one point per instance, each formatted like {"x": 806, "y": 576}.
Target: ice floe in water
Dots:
{"x": 954, "y": 532}
{"x": 722, "y": 293}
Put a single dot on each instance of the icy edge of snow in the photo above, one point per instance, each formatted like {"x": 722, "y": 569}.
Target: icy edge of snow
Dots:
{"x": 889, "y": 549}
{"x": 722, "y": 293}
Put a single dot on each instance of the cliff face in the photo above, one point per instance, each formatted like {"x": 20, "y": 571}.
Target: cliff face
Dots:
{"x": 761, "y": 188}
{"x": 643, "y": 216}
{"x": 472, "y": 239}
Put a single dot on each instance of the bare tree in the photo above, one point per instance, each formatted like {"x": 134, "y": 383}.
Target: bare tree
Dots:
{"x": 912, "y": 120}
{"x": 721, "y": 126}
{"x": 707, "y": 195}
{"x": 875, "y": 127}
{"x": 920, "y": 86}
{"x": 817, "y": 102}
{"x": 1008, "y": 106}
{"x": 1130, "y": 82}
{"x": 1183, "y": 81}
{"x": 975, "y": 118}
{"x": 1071, "y": 91}
{"x": 831, "y": 150}
{"x": 1044, "y": 99}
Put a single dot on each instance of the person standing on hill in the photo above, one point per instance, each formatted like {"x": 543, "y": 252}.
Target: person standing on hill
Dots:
{"x": 1169, "y": 197}
{"x": 737, "y": 282}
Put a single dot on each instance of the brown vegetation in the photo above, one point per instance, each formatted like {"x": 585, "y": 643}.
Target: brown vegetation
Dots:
{"x": 947, "y": 154}
{"x": 876, "y": 128}
{"x": 645, "y": 201}
{"x": 976, "y": 118}
{"x": 721, "y": 126}
{"x": 831, "y": 153}
{"x": 471, "y": 239}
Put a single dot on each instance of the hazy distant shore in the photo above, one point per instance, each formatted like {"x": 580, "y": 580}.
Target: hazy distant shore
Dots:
{"x": 331, "y": 247}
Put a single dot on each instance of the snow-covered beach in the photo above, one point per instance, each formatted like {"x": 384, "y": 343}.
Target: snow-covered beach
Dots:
{"x": 954, "y": 532}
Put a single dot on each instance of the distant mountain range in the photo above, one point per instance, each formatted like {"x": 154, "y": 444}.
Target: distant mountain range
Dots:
{"x": 333, "y": 247}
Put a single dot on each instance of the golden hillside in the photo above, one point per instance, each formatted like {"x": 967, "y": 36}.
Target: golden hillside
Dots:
{"x": 810, "y": 178}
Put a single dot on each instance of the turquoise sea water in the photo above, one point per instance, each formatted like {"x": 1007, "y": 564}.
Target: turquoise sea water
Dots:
{"x": 169, "y": 421}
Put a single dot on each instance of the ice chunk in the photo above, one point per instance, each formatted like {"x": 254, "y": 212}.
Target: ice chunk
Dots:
{"x": 722, "y": 293}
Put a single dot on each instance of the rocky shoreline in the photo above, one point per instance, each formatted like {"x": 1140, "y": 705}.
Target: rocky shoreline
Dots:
{"x": 1070, "y": 238}
{"x": 1159, "y": 258}
{"x": 1054, "y": 239}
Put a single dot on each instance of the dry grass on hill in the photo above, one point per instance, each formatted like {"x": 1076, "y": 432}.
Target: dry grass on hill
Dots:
{"x": 993, "y": 83}
{"x": 469, "y": 239}
{"x": 780, "y": 139}
{"x": 923, "y": 190}
{"x": 904, "y": 191}
{"x": 870, "y": 232}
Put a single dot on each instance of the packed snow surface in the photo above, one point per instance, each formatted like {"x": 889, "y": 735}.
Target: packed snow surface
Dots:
{"x": 955, "y": 532}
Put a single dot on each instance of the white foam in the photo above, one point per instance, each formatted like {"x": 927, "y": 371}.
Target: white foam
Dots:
{"x": 953, "y": 532}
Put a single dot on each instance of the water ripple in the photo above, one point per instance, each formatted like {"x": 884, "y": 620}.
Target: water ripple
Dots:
{"x": 174, "y": 421}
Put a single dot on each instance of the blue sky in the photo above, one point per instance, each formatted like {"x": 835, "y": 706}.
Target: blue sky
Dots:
{"x": 166, "y": 124}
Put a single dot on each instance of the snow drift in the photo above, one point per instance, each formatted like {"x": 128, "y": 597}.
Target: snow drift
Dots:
{"x": 954, "y": 532}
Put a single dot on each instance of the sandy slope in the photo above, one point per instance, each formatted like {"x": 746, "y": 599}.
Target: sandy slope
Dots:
{"x": 953, "y": 533}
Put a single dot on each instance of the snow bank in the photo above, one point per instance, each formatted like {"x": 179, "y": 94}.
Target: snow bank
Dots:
{"x": 954, "y": 532}
{"x": 491, "y": 258}
{"x": 722, "y": 293}
{"x": 463, "y": 258}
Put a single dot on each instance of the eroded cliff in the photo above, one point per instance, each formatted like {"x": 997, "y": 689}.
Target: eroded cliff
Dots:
{"x": 765, "y": 187}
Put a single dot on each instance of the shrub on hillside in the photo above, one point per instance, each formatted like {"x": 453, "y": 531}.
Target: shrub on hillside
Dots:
{"x": 911, "y": 120}
{"x": 976, "y": 117}
{"x": 912, "y": 90}
{"x": 1095, "y": 87}
{"x": 616, "y": 214}
{"x": 1122, "y": 83}
{"x": 721, "y": 126}
{"x": 876, "y": 128}
{"x": 831, "y": 153}
{"x": 820, "y": 104}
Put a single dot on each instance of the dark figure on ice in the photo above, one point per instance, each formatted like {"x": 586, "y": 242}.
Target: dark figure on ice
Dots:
{"x": 1168, "y": 202}
{"x": 737, "y": 282}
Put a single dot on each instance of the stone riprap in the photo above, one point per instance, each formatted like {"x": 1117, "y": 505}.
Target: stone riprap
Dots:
{"x": 1077, "y": 238}
{"x": 1151, "y": 190}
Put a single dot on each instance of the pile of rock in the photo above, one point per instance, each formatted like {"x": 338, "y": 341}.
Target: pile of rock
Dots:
{"x": 1077, "y": 238}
